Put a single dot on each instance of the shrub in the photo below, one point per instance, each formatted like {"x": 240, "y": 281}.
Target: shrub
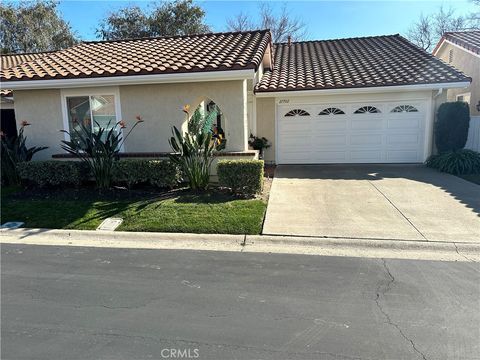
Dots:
{"x": 241, "y": 176}
{"x": 456, "y": 162}
{"x": 14, "y": 151}
{"x": 130, "y": 172}
{"x": 193, "y": 150}
{"x": 451, "y": 127}
{"x": 53, "y": 173}
{"x": 163, "y": 173}
{"x": 98, "y": 149}
{"x": 160, "y": 173}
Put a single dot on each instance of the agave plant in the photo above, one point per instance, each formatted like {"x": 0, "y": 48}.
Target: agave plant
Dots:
{"x": 98, "y": 149}
{"x": 15, "y": 151}
{"x": 193, "y": 150}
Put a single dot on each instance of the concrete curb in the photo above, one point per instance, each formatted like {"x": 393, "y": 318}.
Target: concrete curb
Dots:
{"x": 406, "y": 249}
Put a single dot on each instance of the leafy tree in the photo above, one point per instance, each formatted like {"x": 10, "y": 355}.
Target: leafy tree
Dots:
{"x": 282, "y": 24}
{"x": 129, "y": 22}
{"x": 428, "y": 29}
{"x": 33, "y": 26}
{"x": 180, "y": 17}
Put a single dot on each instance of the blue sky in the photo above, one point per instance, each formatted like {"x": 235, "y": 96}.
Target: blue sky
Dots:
{"x": 324, "y": 19}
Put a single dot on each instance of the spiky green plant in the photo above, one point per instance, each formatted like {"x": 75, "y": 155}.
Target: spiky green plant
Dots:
{"x": 458, "y": 162}
{"x": 15, "y": 151}
{"x": 99, "y": 150}
{"x": 194, "y": 149}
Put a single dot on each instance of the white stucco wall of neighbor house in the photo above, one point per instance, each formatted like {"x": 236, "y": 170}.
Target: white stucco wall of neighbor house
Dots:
{"x": 160, "y": 105}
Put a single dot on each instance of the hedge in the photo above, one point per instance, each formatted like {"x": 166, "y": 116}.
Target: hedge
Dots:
{"x": 451, "y": 127}
{"x": 53, "y": 173}
{"x": 159, "y": 173}
{"x": 241, "y": 176}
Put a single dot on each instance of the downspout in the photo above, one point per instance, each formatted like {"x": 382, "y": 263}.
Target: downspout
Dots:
{"x": 439, "y": 92}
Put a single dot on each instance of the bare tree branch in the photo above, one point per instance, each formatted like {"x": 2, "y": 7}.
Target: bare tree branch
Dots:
{"x": 428, "y": 29}
{"x": 240, "y": 22}
{"x": 281, "y": 25}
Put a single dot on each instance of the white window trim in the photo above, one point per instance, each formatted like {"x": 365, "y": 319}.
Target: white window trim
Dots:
{"x": 469, "y": 94}
{"x": 114, "y": 91}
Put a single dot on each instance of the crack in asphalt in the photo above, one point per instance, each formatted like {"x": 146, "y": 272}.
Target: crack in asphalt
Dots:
{"x": 382, "y": 310}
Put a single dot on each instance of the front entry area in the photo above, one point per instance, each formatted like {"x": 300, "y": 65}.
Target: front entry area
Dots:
{"x": 403, "y": 202}
{"x": 352, "y": 132}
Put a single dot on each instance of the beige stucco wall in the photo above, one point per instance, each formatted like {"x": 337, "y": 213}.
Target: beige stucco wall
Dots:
{"x": 266, "y": 125}
{"x": 266, "y": 110}
{"x": 42, "y": 109}
{"x": 469, "y": 64}
{"x": 160, "y": 105}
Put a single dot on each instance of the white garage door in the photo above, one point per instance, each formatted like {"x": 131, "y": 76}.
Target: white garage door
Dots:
{"x": 367, "y": 132}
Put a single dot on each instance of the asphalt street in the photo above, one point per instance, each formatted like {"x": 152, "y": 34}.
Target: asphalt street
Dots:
{"x": 103, "y": 303}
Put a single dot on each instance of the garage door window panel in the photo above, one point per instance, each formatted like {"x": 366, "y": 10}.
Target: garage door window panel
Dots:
{"x": 331, "y": 111}
{"x": 367, "y": 110}
{"x": 404, "y": 109}
{"x": 297, "y": 112}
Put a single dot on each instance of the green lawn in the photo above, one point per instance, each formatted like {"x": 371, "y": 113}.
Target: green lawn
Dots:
{"x": 177, "y": 212}
{"x": 475, "y": 178}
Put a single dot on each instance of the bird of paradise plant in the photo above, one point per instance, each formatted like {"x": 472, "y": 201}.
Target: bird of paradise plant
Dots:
{"x": 14, "y": 151}
{"x": 194, "y": 149}
{"x": 98, "y": 149}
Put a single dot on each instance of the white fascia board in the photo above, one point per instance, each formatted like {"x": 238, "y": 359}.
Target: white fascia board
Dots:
{"x": 130, "y": 80}
{"x": 458, "y": 46}
{"x": 445, "y": 41}
{"x": 379, "y": 89}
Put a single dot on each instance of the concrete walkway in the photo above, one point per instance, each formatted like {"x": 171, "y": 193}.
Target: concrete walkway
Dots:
{"x": 404, "y": 202}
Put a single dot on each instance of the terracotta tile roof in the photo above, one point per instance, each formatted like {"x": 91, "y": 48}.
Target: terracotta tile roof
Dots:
{"x": 162, "y": 55}
{"x": 353, "y": 63}
{"x": 468, "y": 39}
{"x": 11, "y": 60}
{"x": 6, "y": 92}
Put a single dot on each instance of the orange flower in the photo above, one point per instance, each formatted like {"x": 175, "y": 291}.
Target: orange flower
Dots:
{"x": 139, "y": 118}
{"x": 122, "y": 124}
{"x": 186, "y": 108}
{"x": 24, "y": 123}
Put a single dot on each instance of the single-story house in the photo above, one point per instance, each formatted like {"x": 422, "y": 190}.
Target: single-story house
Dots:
{"x": 358, "y": 100}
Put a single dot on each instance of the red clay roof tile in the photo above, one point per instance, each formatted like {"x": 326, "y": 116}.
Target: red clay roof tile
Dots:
{"x": 177, "y": 54}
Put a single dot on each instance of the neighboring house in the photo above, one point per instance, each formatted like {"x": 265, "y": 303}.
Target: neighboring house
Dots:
{"x": 461, "y": 49}
{"x": 360, "y": 100}
{"x": 7, "y": 116}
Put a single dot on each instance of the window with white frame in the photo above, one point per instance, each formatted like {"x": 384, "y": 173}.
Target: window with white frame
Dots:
{"x": 464, "y": 97}
{"x": 91, "y": 111}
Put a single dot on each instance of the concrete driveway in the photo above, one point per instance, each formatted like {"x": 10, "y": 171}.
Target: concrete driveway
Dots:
{"x": 407, "y": 202}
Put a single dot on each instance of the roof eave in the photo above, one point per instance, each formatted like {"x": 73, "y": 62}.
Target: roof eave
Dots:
{"x": 200, "y": 76}
{"x": 369, "y": 89}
